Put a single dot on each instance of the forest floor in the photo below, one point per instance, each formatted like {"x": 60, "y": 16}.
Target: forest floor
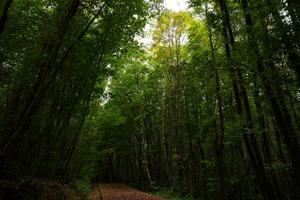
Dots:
{"x": 36, "y": 189}
{"x": 119, "y": 192}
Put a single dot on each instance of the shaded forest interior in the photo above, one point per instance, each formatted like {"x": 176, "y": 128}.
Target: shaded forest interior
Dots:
{"x": 208, "y": 109}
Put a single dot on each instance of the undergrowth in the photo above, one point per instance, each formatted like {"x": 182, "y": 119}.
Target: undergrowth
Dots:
{"x": 169, "y": 194}
{"x": 82, "y": 187}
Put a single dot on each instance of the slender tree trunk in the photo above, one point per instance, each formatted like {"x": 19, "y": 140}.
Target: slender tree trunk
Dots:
{"x": 73, "y": 147}
{"x": 253, "y": 149}
{"x": 290, "y": 42}
{"x": 220, "y": 128}
{"x": 294, "y": 11}
{"x": 3, "y": 15}
{"x": 165, "y": 160}
{"x": 295, "y": 16}
{"x": 48, "y": 72}
{"x": 262, "y": 122}
{"x": 244, "y": 110}
{"x": 266, "y": 143}
{"x": 204, "y": 169}
{"x": 277, "y": 101}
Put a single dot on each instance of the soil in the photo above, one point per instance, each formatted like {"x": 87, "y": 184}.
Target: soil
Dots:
{"x": 51, "y": 190}
{"x": 119, "y": 192}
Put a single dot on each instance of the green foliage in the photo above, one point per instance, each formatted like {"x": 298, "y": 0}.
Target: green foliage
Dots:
{"x": 166, "y": 193}
{"x": 210, "y": 109}
{"x": 55, "y": 70}
{"x": 82, "y": 187}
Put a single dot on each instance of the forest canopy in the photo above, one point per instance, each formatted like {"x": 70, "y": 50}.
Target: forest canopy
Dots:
{"x": 209, "y": 109}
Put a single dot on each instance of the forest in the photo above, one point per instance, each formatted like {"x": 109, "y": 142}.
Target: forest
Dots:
{"x": 208, "y": 108}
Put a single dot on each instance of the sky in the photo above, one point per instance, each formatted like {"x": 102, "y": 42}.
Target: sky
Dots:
{"x": 176, "y": 5}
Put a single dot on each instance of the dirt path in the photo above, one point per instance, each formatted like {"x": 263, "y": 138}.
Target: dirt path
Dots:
{"x": 119, "y": 192}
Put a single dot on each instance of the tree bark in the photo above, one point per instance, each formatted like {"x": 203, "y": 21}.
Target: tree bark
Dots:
{"x": 290, "y": 41}
{"x": 220, "y": 129}
{"x": 277, "y": 101}
{"x": 73, "y": 147}
{"x": 242, "y": 101}
{"x": 4, "y": 14}
{"x": 48, "y": 71}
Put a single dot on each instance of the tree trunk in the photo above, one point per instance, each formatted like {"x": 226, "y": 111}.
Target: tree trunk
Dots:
{"x": 244, "y": 110}
{"x": 277, "y": 101}
{"x": 4, "y": 13}
{"x": 48, "y": 71}
{"x": 220, "y": 128}
{"x": 294, "y": 11}
{"x": 73, "y": 147}
{"x": 204, "y": 169}
{"x": 291, "y": 42}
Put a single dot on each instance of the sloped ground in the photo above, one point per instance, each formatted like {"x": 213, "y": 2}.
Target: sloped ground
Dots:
{"x": 96, "y": 193}
{"x": 119, "y": 192}
{"x": 35, "y": 190}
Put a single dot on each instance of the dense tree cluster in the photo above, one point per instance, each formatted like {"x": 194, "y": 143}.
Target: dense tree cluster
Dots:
{"x": 213, "y": 108}
{"x": 210, "y": 110}
{"x": 55, "y": 59}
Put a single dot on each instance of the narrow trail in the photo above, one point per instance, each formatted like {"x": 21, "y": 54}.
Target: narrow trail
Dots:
{"x": 119, "y": 192}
